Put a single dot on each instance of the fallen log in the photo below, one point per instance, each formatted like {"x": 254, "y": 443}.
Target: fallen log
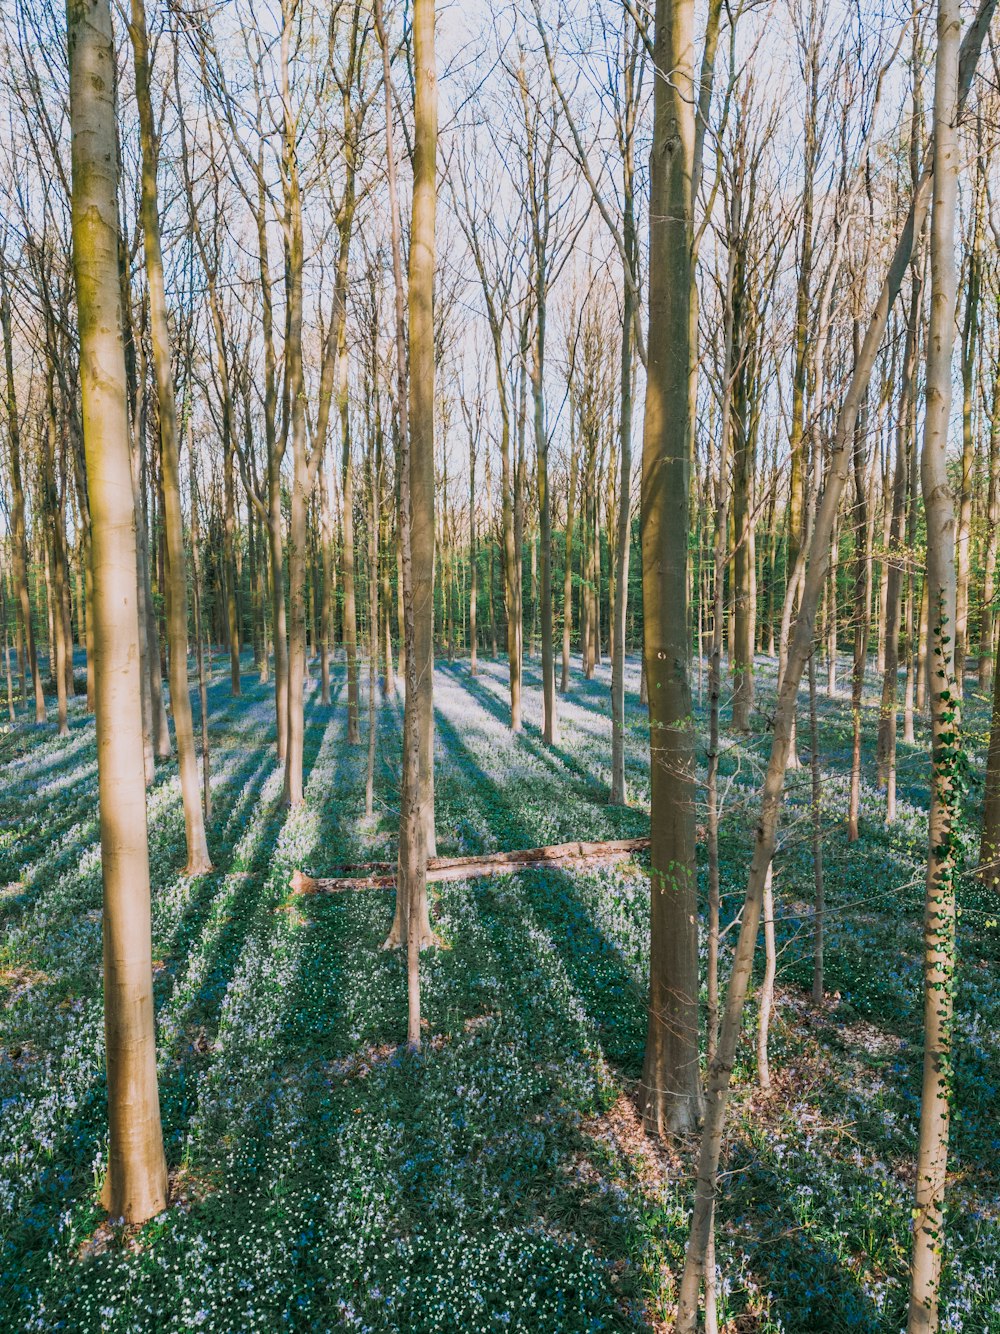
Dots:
{"x": 470, "y": 868}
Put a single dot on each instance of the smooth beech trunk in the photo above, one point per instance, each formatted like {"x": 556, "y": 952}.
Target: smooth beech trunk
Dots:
{"x": 816, "y": 814}
{"x": 861, "y": 599}
{"x": 347, "y": 554}
{"x": 946, "y": 757}
{"x": 136, "y": 1185}
{"x": 721, "y": 543}
{"x": 671, "y": 1080}
{"x": 411, "y": 923}
{"x": 198, "y": 860}
{"x": 989, "y": 849}
{"x": 25, "y": 634}
{"x": 619, "y": 611}
{"x": 421, "y": 416}
{"x": 905, "y": 428}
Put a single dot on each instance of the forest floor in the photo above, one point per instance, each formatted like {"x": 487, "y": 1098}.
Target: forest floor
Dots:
{"x": 499, "y": 1181}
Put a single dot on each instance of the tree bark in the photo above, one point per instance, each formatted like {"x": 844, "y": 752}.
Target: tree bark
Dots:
{"x": 905, "y": 428}
{"x": 969, "y": 349}
{"x": 347, "y": 554}
{"x": 624, "y": 535}
{"x": 946, "y": 756}
{"x": 198, "y": 860}
{"x": 25, "y": 628}
{"x": 136, "y": 1185}
{"x": 411, "y": 922}
{"x": 671, "y": 1083}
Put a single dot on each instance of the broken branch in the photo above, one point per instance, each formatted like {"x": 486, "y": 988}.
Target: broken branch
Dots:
{"x": 469, "y": 868}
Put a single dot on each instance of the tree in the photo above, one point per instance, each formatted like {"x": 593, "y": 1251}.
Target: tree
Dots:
{"x": 198, "y": 860}
{"x": 946, "y": 746}
{"x": 411, "y": 923}
{"x": 136, "y": 1184}
{"x": 26, "y": 651}
{"x": 671, "y": 1079}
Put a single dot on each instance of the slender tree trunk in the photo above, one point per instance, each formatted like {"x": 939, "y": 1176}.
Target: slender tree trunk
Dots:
{"x": 389, "y": 679}
{"x": 987, "y": 612}
{"x": 969, "y": 349}
{"x": 54, "y": 539}
{"x": 278, "y": 612}
{"x": 422, "y": 367}
{"x": 989, "y": 850}
{"x": 816, "y": 813}
{"x": 946, "y": 757}
{"x": 491, "y": 599}
{"x": 767, "y": 985}
{"x": 623, "y": 545}
{"x": 229, "y": 556}
{"x": 301, "y": 481}
{"x": 411, "y": 923}
{"x": 206, "y": 787}
{"x": 136, "y": 1184}
{"x": 905, "y": 428}
{"x": 831, "y": 606}
{"x": 543, "y": 603}
{"x": 347, "y": 555}
{"x": 11, "y": 711}
{"x": 921, "y": 651}
{"x": 149, "y": 635}
{"x": 743, "y": 563}
{"x": 671, "y": 1081}
{"x": 721, "y": 542}
{"x": 862, "y": 593}
{"x": 150, "y": 668}
{"x": 21, "y": 564}
{"x": 375, "y": 469}
{"x": 326, "y": 605}
{"x": 473, "y": 557}
{"x": 198, "y": 860}
{"x": 568, "y": 537}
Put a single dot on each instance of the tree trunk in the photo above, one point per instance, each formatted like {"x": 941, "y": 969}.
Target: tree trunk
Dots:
{"x": 301, "y": 482}
{"x": 987, "y": 612}
{"x": 671, "y": 1082}
{"x": 743, "y": 507}
{"x": 326, "y": 602}
{"x": 389, "y": 679}
{"x": 59, "y": 646}
{"x": 568, "y": 539}
{"x": 347, "y": 553}
{"x": 896, "y": 555}
{"x": 411, "y": 922}
{"x": 816, "y": 813}
{"x": 199, "y": 646}
{"x": 862, "y": 594}
{"x": 136, "y": 1185}
{"x": 946, "y": 755}
{"x": 198, "y": 860}
{"x": 970, "y": 345}
{"x": 374, "y": 472}
{"x": 721, "y": 542}
{"x": 767, "y": 985}
{"x": 473, "y": 556}
{"x": 624, "y": 536}
{"x": 989, "y": 850}
{"x": 25, "y": 628}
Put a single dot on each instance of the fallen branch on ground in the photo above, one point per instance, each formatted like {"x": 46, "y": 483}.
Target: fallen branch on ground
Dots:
{"x": 381, "y": 875}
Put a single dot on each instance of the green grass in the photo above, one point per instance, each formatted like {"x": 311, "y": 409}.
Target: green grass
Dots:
{"x": 325, "y": 1180}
